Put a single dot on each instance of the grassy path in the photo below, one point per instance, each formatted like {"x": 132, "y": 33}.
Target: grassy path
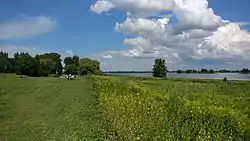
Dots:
{"x": 47, "y": 109}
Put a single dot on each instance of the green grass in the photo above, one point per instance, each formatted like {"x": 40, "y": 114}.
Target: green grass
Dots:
{"x": 140, "y": 108}
{"x": 123, "y": 108}
{"x": 36, "y": 109}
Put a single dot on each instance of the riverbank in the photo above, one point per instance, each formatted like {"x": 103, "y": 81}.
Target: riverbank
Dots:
{"x": 214, "y": 76}
{"x": 123, "y": 108}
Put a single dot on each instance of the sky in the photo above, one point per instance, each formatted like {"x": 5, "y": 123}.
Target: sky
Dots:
{"x": 130, "y": 34}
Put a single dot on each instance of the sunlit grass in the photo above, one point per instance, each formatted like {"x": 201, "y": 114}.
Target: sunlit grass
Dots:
{"x": 153, "y": 109}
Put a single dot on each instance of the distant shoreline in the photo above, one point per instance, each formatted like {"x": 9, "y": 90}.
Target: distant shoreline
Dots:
{"x": 172, "y": 72}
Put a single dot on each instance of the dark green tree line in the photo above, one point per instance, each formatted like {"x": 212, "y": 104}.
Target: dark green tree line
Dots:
{"x": 45, "y": 64}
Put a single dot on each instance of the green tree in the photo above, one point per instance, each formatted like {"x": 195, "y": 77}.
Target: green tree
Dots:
{"x": 179, "y": 71}
{"x": 189, "y": 71}
{"x": 204, "y": 71}
{"x": 159, "y": 68}
{"x": 88, "y": 66}
{"x": 211, "y": 71}
{"x": 245, "y": 70}
{"x": 53, "y": 61}
{"x": 68, "y": 61}
{"x": 5, "y": 64}
{"x": 71, "y": 69}
{"x": 27, "y": 65}
{"x": 44, "y": 69}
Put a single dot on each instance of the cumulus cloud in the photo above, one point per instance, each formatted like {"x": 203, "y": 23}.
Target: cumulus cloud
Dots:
{"x": 102, "y": 6}
{"x": 191, "y": 33}
{"x": 24, "y": 27}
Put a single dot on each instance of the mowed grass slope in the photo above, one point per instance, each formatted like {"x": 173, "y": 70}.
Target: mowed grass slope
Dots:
{"x": 37, "y": 109}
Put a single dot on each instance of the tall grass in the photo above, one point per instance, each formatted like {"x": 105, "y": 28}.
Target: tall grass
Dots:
{"x": 152, "y": 109}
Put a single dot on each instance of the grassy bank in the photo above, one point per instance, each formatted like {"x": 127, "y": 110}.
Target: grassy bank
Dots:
{"x": 153, "y": 109}
{"x": 123, "y": 108}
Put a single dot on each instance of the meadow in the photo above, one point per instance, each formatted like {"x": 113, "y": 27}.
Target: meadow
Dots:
{"x": 123, "y": 108}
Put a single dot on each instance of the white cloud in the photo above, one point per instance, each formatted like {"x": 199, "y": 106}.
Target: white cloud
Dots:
{"x": 142, "y": 27}
{"x": 69, "y": 53}
{"x": 138, "y": 7}
{"x": 227, "y": 42}
{"x": 12, "y": 49}
{"x": 195, "y": 14}
{"x": 196, "y": 35}
{"x": 107, "y": 56}
{"x": 101, "y": 6}
{"x": 24, "y": 27}
{"x": 242, "y": 23}
{"x": 141, "y": 44}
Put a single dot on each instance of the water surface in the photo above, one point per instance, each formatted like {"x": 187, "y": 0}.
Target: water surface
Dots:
{"x": 230, "y": 76}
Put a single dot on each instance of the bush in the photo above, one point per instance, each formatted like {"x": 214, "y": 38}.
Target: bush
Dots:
{"x": 224, "y": 79}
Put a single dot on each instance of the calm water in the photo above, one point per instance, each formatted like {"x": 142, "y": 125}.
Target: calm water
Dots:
{"x": 230, "y": 76}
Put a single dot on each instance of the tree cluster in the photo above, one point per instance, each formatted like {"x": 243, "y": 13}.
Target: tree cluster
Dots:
{"x": 25, "y": 64}
{"x": 84, "y": 66}
{"x": 45, "y": 64}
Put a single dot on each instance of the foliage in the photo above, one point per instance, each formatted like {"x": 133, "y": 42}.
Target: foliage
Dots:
{"x": 26, "y": 64}
{"x": 151, "y": 109}
{"x": 53, "y": 61}
{"x": 71, "y": 64}
{"x": 6, "y": 63}
{"x": 245, "y": 70}
{"x": 159, "y": 68}
{"x": 224, "y": 79}
{"x": 71, "y": 69}
{"x": 204, "y": 71}
{"x": 44, "y": 69}
{"x": 179, "y": 71}
{"x": 88, "y": 66}
{"x": 211, "y": 71}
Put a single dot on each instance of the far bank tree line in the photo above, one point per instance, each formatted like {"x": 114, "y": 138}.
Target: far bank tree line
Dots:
{"x": 160, "y": 69}
{"x": 46, "y": 64}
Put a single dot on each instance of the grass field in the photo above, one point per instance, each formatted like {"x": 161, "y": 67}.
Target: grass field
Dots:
{"x": 37, "y": 109}
{"x": 123, "y": 108}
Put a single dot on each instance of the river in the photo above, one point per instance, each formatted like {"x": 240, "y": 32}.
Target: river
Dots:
{"x": 229, "y": 76}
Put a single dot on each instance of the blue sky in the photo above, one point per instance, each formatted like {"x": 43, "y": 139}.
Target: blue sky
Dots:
{"x": 74, "y": 27}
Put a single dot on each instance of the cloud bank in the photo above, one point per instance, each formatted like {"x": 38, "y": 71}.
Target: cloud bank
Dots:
{"x": 25, "y": 26}
{"x": 190, "y": 32}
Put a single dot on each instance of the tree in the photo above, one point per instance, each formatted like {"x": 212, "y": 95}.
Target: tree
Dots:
{"x": 68, "y": 61}
{"x": 159, "y": 68}
{"x": 71, "y": 69}
{"x": 44, "y": 69}
{"x": 179, "y": 71}
{"x": 27, "y": 65}
{"x": 244, "y": 70}
{"x": 211, "y": 71}
{"x": 71, "y": 64}
{"x": 6, "y": 63}
{"x": 76, "y": 60}
{"x": 189, "y": 71}
{"x": 53, "y": 61}
{"x": 88, "y": 66}
{"x": 204, "y": 71}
